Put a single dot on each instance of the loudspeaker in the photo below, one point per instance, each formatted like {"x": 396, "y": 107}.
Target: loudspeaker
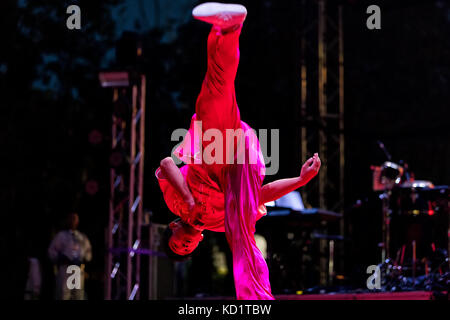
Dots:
{"x": 157, "y": 271}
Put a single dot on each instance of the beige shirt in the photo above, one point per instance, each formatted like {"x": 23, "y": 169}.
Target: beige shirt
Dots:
{"x": 72, "y": 244}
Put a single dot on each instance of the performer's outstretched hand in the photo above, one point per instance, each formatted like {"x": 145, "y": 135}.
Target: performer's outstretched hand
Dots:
{"x": 310, "y": 168}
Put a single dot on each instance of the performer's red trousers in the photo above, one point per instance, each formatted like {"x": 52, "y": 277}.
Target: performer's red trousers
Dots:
{"x": 217, "y": 109}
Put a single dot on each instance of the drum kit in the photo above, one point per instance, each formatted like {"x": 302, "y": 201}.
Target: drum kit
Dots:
{"x": 415, "y": 227}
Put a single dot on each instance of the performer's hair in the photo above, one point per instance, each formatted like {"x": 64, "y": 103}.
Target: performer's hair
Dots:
{"x": 166, "y": 249}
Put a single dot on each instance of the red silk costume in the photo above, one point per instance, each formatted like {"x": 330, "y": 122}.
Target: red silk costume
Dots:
{"x": 226, "y": 195}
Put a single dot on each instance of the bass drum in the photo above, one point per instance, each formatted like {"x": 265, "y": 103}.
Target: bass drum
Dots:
{"x": 413, "y": 198}
{"x": 420, "y": 214}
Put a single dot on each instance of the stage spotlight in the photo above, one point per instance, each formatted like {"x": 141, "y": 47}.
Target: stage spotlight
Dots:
{"x": 114, "y": 79}
{"x": 91, "y": 187}
{"x": 95, "y": 137}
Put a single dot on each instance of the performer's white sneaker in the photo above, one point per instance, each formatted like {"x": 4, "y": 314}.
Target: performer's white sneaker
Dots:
{"x": 220, "y": 14}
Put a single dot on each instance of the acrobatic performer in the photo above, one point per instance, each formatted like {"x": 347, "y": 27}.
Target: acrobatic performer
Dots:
{"x": 223, "y": 196}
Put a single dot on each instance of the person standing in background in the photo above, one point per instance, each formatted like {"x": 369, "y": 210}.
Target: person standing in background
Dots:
{"x": 34, "y": 279}
{"x": 70, "y": 247}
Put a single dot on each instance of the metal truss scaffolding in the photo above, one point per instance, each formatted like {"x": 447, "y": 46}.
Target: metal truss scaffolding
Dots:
{"x": 123, "y": 234}
{"x": 322, "y": 101}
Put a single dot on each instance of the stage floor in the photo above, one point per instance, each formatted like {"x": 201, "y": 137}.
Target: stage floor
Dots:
{"x": 407, "y": 295}
{"x": 411, "y": 295}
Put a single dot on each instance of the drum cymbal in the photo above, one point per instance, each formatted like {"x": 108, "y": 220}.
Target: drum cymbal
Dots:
{"x": 417, "y": 184}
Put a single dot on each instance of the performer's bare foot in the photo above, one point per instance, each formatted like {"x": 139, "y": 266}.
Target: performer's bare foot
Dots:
{"x": 225, "y": 16}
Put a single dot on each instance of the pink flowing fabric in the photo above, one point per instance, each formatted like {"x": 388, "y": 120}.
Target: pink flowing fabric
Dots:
{"x": 243, "y": 186}
{"x": 239, "y": 183}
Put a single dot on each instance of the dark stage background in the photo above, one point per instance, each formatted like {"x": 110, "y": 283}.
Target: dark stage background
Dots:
{"x": 55, "y": 134}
